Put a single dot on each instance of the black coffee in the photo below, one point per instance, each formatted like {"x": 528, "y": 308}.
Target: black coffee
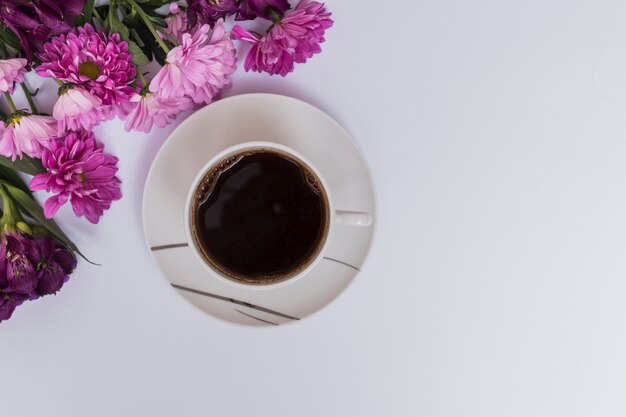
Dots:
{"x": 259, "y": 216}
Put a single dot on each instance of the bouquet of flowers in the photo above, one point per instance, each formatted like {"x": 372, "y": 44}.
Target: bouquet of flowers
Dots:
{"x": 102, "y": 58}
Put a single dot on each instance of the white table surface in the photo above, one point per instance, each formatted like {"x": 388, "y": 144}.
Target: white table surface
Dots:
{"x": 496, "y": 131}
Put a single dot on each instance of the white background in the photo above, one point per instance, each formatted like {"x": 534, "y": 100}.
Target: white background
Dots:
{"x": 496, "y": 131}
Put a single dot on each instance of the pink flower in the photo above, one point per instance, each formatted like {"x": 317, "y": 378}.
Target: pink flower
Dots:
{"x": 78, "y": 171}
{"x": 11, "y": 71}
{"x": 27, "y": 133}
{"x": 150, "y": 109}
{"x": 91, "y": 59}
{"x": 294, "y": 39}
{"x": 199, "y": 67}
{"x": 176, "y": 22}
{"x": 77, "y": 109}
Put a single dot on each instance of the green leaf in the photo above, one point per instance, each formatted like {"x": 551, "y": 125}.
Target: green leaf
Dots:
{"x": 88, "y": 10}
{"x": 34, "y": 210}
{"x": 9, "y": 37}
{"x": 27, "y": 165}
{"x": 131, "y": 19}
{"x": 113, "y": 24}
{"x": 158, "y": 21}
{"x": 151, "y": 48}
{"x": 139, "y": 58}
{"x": 12, "y": 176}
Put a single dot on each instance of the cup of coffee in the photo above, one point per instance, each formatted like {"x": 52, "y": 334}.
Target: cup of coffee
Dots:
{"x": 259, "y": 214}
{"x": 259, "y": 209}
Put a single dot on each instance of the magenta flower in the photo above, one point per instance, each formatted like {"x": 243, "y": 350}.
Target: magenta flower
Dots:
{"x": 27, "y": 133}
{"x": 91, "y": 59}
{"x": 34, "y": 21}
{"x": 80, "y": 172}
{"x": 176, "y": 22}
{"x": 294, "y": 39}
{"x": 77, "y": 109}
{"x": 199, "y": 67}
{"x": 11, "y": 71}
{"x": 150, "y": 109}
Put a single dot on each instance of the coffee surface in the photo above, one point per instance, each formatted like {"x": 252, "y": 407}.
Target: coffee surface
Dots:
{"x": 259, "y": 216}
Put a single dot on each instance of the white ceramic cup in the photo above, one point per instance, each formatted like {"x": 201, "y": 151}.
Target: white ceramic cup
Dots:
{"x": 356, "y": 219}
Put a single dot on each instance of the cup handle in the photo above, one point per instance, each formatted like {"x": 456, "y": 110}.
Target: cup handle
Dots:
{"x": 353, "y": 218}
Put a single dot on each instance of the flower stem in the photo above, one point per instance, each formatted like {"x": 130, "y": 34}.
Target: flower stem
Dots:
{"x": 10, "y": 101}
{"x": 88, "y": 10}
{"x": 149, "y": 25}
{"x": 97, "y": 14}
{"x": 168, "y": 36}
{"x": 8, "y": 217}
{"x": 59, "y": 82}
{"x": 143, "y": 80}
{"x": 136, "y": 37}
{"x": 29, "y": 97}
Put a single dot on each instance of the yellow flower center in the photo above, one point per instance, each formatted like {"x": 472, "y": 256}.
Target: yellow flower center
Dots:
{"x": 89, "y": 69}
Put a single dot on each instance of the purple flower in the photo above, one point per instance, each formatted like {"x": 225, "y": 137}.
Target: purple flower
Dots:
{"x": 201, "y": 12}
{"x": 294, "y": 39}
{"x": 80, "y": 172}
{"x": 8, "y": 304}
{"x": 3, "y": 265}
{"x": 35, "y": 21}
{"x": 266, "y": 9}
{"x": 91, "y": 59}
{"x": 55, "y": 265}
{"x": 20, "y": 258}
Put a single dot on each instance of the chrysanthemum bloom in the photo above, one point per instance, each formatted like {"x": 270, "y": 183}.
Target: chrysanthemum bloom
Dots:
{"x": 152, "y": 110}
{"x": 202, "y": 12}
{"x": 11, "y": 71}
{"x": 27, "y": 133}
{"x": 54, "y": 267}
{"x": 76, "y": 108}
{"x": 176, "y": 22}
{"x": 35, "y": 21}
{"x": 294, "y": 39}
{"x": 199, "y": 67}
{"x": 80, "y": 172}
{"x": 91, "y": 59}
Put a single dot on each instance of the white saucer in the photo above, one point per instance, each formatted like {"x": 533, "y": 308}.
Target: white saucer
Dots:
{"x": 288, "y": 123}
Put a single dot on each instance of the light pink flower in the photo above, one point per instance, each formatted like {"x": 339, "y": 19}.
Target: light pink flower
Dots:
{"x": 176, "y": 22}
{"x": 11, "y": 71}
{"x": 27, "y": 133}
{"x": 80, "y": 172}
{"x": 199, "y": 67}
{"x": 150, "y": 109}
{"x": 294, "y": 39}
{"x": 77, "y": 109}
